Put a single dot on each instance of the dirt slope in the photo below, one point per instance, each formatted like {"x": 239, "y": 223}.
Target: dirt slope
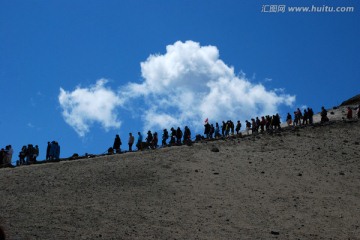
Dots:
{"x": 301, "y": 183}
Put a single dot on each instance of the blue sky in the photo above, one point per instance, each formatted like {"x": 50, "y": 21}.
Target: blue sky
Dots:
{"x": 79, "y": 72}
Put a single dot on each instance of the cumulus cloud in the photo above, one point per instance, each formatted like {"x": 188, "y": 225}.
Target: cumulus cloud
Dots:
{"x": 190, "y": 83}
{"x": 183, "y": 86}
{"x": 94, "y": 104}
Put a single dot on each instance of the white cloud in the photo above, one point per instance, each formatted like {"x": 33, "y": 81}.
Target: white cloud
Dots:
{"x": 190, "y": 83}
{"x": 183, "y": 86}
{"x": 85, "y": 106}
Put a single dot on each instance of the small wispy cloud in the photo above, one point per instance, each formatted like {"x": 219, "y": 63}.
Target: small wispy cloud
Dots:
{"x": 32, "y": 102}
{"x": 84, "y": 106}
{"x": 279, "y": 90}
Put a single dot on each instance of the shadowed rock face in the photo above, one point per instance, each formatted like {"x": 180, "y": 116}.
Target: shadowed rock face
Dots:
{"x": 352, "y": 101}
{"x": 300, "y": 183}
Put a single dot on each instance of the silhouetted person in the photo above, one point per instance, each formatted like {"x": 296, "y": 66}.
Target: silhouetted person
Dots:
{"x": 276, "y": 121}
{"x": 2, "y": 157}
{"x": 179, "y": 135}
{"x": 48, "y": 151}
{"x": 248, "y": 127}
{"x": 253, "y": 126}
{"x": 305, "y": 117}
{"x": 212, "y": 130}
{"x": 165, "y": 136}
{"x": 288, "y": 119}
{"x": 154, "y": 141}
{"x": 232, "y": 127}
{"x": 311, "y": 115}
{"x": 238, "y": 127}
{"x": 149, "y": 138}
{"x": 29, "y": 154}
{"x": 9, "y": 152}
{"x": 22, "y": 155}
{"x": 207, "y": 130}
{"x": 139, "y": 141}
{"x": 297, "y": 117}
{"x": 323, "y": 115}
{"x": 36, "y": 153}
{"x": 227, "y": 128}
{"x": 172, "y": 136}
{"x": 54, "y": 151}
{"x": 223, "y": 128}
{"x": 117, "y": 144}
{"x": 57, "y": 156}
{"x": 131, "y": 141}
{"x": 262, "y": 124}
{"x": 217, "y": 130}
{"x": 187, "y": 134}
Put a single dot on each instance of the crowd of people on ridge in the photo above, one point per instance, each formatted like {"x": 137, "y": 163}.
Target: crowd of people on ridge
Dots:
{"x": 52, "y": 151}
{"x": 302, "y": 118}
{"x": 228, "y": 128}
{"x": 28, "y": 154}
{"x": 177, "y": 137}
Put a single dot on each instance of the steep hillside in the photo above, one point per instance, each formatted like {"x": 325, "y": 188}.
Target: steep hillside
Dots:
{"x": 300, "y": 183}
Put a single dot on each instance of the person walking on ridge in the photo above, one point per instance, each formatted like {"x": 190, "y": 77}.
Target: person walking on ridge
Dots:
{"x": 131, "y": 141}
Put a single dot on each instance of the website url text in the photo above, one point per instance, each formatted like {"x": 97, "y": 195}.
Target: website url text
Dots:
{"x": 308, "y": 9}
